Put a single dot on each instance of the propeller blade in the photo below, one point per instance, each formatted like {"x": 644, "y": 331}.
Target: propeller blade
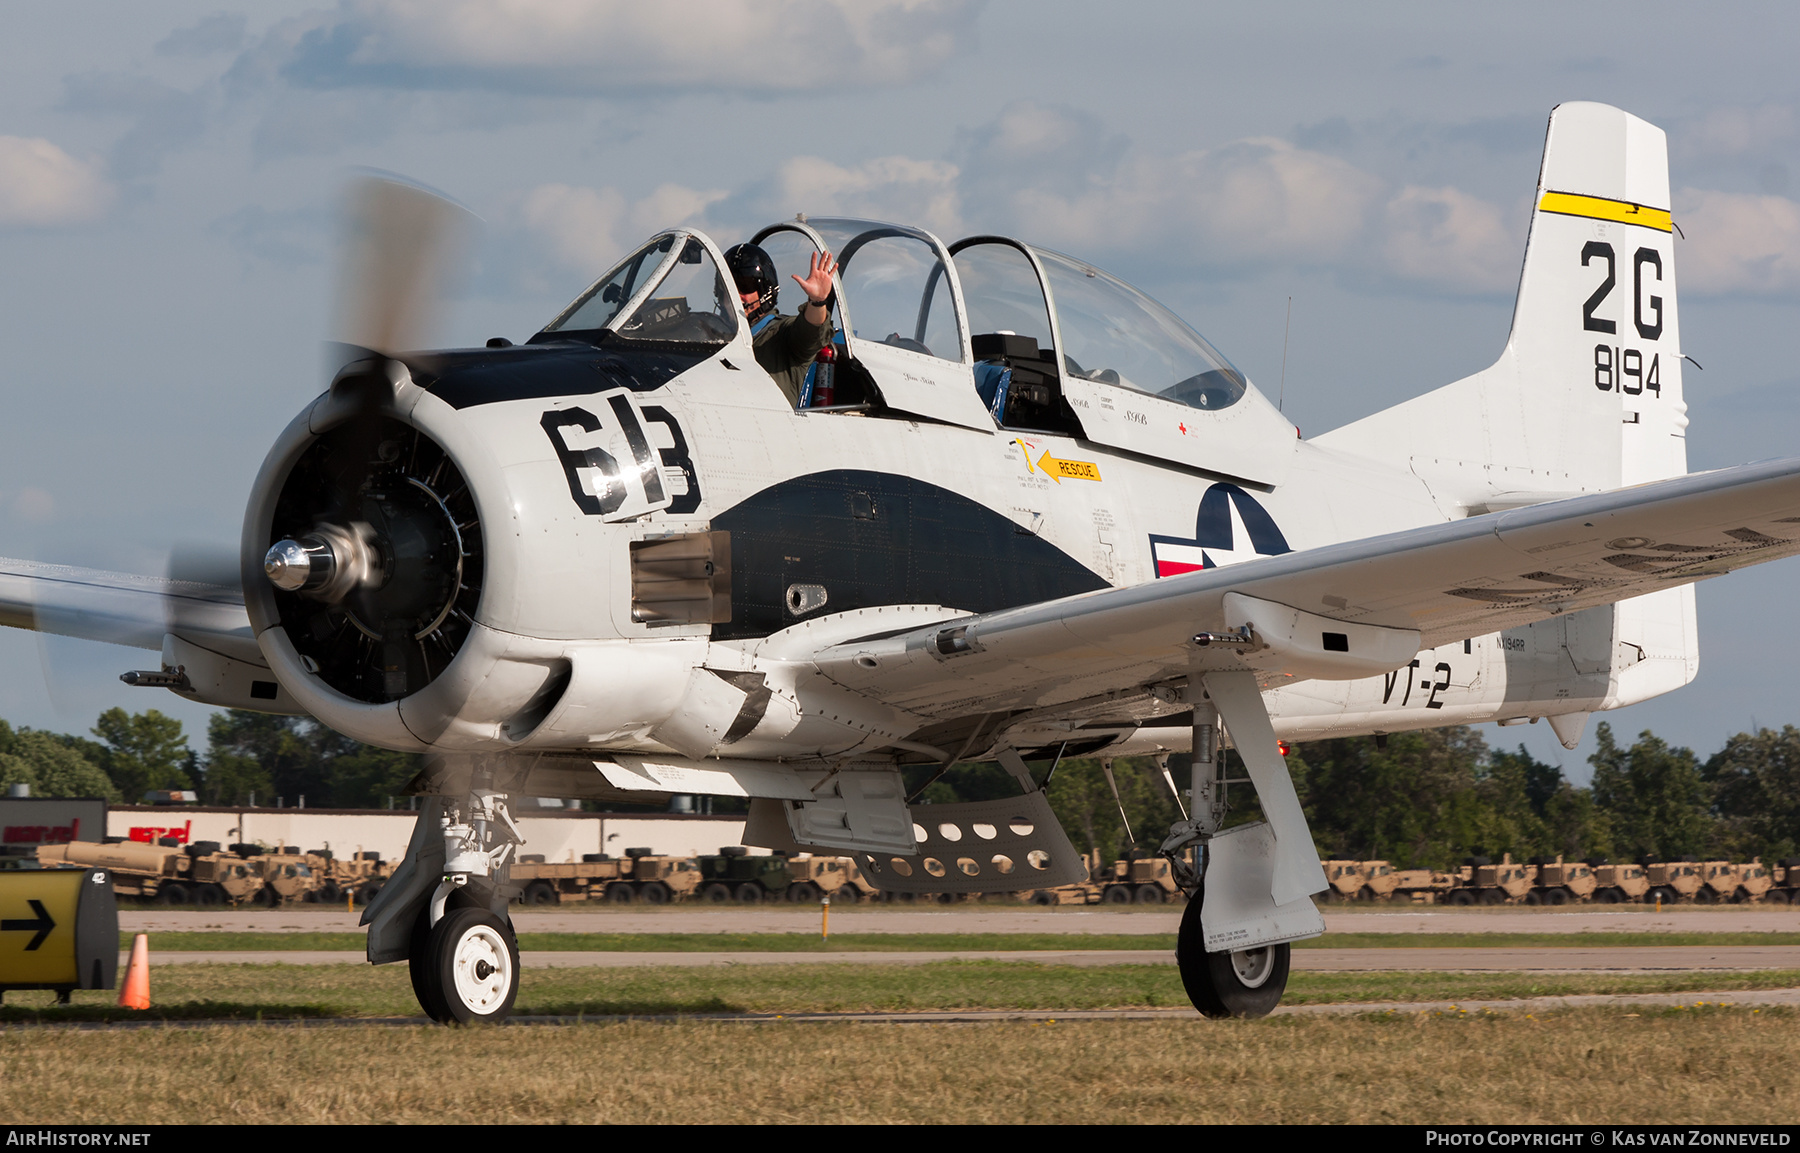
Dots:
{"x": 401, "y": 244}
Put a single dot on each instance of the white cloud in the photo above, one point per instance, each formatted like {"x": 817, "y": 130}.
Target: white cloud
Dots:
{"x": 40, "y": 184}
{"x": 587, "y": 229}
{"x": 1253, "y": 200}
{"x": 1447, "y": 238}
{"x": 588, "y": 46}
{"x": 1737, "y": 243}
{"x": 897, "y": 188}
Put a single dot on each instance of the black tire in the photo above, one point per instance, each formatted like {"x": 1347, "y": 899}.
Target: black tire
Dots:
{"x": 423, "y": 973}
{"x": 474, "y": 963}
{"x": 748, "y": 893}
{"x": 850, "y": 894}
{"x": 265, "y": 897}
{"x": 1116, "y": 895}
{"x": 803, "y": 893}
{"x": 202, "y": 848}
{"x": 1247, "y": 983}
{"x": 1365, "y": 895}
{"x": 539, "y": 893}
{"x": 209, "y": 896}
{"x": 367, "y": 893}
{"x": 1706, "y": 896}
{"x": 1534, "y": 897}
{"x": 1557, "y": 897}
{"x": 1461, "y": 897}
{"x": 619, "y": 893}
{"x": 717, "y": 893}
{"x": 172, "y": 893}
{"x": 1777, "y": 897}
{"x": 1149, "y": 895}
{"x": 1043, "y": 897}
{"x": 655, "y": 893}
{"x": 1607, "y": 897}
{"x": 1493, "y": 896}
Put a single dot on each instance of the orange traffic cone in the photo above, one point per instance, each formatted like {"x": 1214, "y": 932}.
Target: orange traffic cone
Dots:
{"x": 135, "y": 993}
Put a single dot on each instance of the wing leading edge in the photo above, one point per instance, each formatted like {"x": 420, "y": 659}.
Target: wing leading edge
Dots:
{"x": 1447, "y": 582}
{"x": 123, "y": 608}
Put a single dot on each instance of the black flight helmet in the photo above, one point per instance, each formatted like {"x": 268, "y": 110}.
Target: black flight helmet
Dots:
{"x": 753, "y": 271}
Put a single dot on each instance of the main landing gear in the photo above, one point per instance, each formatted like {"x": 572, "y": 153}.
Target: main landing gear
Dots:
{"x": 1249, "y": 884}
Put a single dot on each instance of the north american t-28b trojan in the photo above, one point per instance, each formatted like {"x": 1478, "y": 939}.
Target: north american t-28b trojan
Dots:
{"x": 1019, "y": 511}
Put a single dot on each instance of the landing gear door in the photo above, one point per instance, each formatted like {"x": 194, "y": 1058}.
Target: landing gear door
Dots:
{"x": 901, "y": 310}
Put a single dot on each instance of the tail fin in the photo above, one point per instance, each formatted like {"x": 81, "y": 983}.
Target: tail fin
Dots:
{"x": 1587, "y": 394}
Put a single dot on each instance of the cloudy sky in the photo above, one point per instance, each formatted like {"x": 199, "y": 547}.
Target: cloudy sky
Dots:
{"x": 169, "y": 176}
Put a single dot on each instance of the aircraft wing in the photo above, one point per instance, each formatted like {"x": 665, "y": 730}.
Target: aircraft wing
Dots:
{"x": 123, "y": 608}
{"x": 1387, "y": 596}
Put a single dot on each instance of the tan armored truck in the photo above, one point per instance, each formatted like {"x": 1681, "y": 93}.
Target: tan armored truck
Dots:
{"x": 1345, "y": 878}
{"x": 813, "y": 877}
{"x": 1422, "y": 886}
{"x": 1481, "y": 882}
{"x": 1559, "y": 883}
{"x": 165, "y": 873}
{"x": 1618, "y": 884}
{"x": 1785, "y": 878}
{"x": 1672, "y": 881}
{"x": 1137, "y": 881}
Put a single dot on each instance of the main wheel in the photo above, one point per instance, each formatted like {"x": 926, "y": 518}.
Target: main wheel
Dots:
{"x": 1244, "y": 983}
{"x": 474, "y": 960}
{"x": 426, "y": 989}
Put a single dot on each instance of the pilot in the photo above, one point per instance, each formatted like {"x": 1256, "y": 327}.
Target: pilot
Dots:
{"x": 785, "y": 345}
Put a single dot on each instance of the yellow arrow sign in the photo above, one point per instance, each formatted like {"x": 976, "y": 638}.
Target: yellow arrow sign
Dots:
{"x": 1056, "y": 469}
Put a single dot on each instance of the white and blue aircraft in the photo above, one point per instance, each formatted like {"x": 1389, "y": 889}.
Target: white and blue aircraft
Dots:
{"x": 1021, "y": 510}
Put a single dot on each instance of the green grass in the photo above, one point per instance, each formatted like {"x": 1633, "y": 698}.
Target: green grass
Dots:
{"x": 175, "y": 941}
{"x": 283, "y": 992}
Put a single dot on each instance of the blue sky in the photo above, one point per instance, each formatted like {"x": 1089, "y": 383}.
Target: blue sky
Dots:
{"x": 169, "y": 177}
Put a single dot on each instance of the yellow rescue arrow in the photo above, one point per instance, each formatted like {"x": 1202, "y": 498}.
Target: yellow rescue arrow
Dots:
{"x": 1055, "y": 468}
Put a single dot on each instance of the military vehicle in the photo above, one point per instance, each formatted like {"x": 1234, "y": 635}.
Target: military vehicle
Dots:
{"x": 1137, "y": 880}
{"x": 813, "y": 877}
{"x": 165, "y": 873}
{"x": 1672, "y": 881}
{"x": 1559, "y": 883}
{"x": 1481, "y": 882}
{"x": 1346, "y": 878}
{"x": 732, "y": 874}
{"x": 1617, "y": 884}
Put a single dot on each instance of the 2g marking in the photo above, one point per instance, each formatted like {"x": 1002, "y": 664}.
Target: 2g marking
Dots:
{"x": 1644, "y": 258}
{"x": 1404, "y": 676}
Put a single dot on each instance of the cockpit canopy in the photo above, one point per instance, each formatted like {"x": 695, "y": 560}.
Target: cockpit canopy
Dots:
{"x": 988, "y": 332}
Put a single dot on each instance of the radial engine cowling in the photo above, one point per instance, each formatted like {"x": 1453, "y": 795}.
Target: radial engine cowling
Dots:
{"x": 364, "y": 557}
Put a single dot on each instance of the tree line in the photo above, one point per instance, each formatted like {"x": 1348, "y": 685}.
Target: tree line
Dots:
{"x": 249, "y": 758}
{"x": 1429, "y": 799}
{"x": 1421, "y": 800}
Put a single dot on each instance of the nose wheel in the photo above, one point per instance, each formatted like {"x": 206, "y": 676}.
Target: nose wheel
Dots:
{"x": 1241, "y": 983}
{"x": 466, "y": 968}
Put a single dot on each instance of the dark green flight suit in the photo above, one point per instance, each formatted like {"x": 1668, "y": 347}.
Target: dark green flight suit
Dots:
{"x": 785, "y": 347}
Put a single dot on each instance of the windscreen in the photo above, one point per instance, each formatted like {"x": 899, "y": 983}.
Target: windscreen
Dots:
{"x": 597, "y": 307}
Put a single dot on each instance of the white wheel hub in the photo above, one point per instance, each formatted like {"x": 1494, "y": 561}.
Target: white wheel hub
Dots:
{"x": 1253, "y": 967}
{"x": 483, "y": 970}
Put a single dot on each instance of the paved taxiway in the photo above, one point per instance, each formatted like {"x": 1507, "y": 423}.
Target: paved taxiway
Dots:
{"x": 1652, "y": 959}
{"x": 975, "y": 919}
